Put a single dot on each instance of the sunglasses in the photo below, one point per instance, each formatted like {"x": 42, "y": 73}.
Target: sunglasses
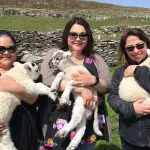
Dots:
{"x": 10, "y": 49}
{"x": 138, "y": 46}
{"x": 73, "y": 36}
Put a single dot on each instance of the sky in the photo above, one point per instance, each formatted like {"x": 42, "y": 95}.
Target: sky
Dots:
{"x": 134, "y": 3}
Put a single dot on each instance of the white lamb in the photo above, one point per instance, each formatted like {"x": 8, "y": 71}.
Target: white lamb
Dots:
{"x": 79, "y": 112}
{"x": 24, "y": 74}
{"x": 130, "y": 90}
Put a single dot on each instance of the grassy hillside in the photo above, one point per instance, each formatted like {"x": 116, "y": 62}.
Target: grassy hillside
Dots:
{"x": 55, "y": 4}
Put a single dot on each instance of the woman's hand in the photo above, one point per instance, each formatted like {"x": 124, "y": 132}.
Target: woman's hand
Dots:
{"x": 90, "y": 98}
{"x": 2, "y": 128}
{"x": 129, "y": 71}
{"x": 84, "y": 79}
{"x": 8, "y": 84}
{"x": 141, "y": 108}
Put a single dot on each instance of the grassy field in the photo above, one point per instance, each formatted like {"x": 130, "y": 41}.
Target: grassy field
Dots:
{"x": 49, "y": 24}
{"x": 115, "y": 145}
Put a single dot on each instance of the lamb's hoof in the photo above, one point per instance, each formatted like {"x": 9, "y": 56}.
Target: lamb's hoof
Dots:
{"x": 64, "y": 101}
{"x": 53, "y": 89}
{"x": 99, "y": 133}
{"x": 69, "y": 103}
{"x": 52, "y": 96}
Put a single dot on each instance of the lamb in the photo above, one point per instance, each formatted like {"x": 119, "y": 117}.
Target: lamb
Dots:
{"x": 23, "y": 74}
{"x": 130, "y": 90}
{"x": 79, "y": 112}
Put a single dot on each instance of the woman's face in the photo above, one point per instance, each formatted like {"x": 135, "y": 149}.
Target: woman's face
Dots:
{"x": 77, "y": 38}
{"x": 136, "y": 49}
{"x": 7, "y": 56}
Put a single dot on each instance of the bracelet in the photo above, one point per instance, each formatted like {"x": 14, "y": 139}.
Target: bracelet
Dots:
{"x": 97, "y": 80}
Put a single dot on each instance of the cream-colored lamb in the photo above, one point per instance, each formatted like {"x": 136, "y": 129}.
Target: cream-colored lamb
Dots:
{"x": 24, "y": 74}
{"x": 130, "y": 90}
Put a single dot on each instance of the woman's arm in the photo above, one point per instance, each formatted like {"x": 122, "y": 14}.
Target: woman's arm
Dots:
{"x": 142, "y": 76}
{"x": 120, "y": 106}
{"x": 88, "y": 98}
{"x": 103, "y": 74}
{"x": 8, "y": 84}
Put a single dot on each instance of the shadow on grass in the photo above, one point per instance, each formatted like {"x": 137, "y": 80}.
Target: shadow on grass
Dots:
{"x": 107, "y": 146}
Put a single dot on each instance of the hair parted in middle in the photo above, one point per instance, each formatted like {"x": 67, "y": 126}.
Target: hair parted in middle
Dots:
{"x": 122, "y": 54}
{"x": 78, "y": 20}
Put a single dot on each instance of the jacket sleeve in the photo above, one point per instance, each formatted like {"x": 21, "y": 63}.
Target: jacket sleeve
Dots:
{"x": 120, "y": 106}
{"x": 142, "y": 76}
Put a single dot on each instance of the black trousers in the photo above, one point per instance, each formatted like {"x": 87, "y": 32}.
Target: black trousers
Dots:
{"x": 127, "y": 146}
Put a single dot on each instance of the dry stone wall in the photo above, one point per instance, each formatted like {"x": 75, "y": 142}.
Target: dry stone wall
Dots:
{"x": 32, "y": 46}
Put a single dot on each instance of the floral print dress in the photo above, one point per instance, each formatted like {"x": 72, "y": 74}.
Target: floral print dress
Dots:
{"x": 61, "y": 115}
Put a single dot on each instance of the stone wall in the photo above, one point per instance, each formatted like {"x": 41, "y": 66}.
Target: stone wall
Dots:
{"x": 98, "y": 14}
{"x": 34, "y": 45}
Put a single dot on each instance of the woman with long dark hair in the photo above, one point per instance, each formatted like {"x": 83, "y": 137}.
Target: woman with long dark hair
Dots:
{"x": 77, "y": 38}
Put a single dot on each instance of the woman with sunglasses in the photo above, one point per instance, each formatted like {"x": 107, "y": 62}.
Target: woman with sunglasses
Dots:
{"x": 77, "y": 38}
{"x": 24, "y": 131}
{"x": 134, "y": 118}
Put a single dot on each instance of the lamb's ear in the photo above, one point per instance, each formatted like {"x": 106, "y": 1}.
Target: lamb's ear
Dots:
{"x": 16, "y": 63}
{"x": 148, "y": 52}
{"x": 57, "y": 52}
{"x": 27, "y": 67}
{"x": 68, "y": 53}
{"x": 54, "y": 54}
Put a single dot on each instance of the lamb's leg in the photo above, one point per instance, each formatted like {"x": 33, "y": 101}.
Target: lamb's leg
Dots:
{"x": 96, "y": 123}
{"x": 56, "y": 82}
{"x": 80, "y": 130}
{"x": 6, "y": 142}
{"x": 64, "y": 99}
{"x": 39, "y": 88}
{"x": 77, "y": 115}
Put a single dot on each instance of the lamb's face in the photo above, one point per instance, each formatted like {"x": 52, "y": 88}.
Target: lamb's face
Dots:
{"x": 59, "y": 56}
{"x": 32, "y": 70}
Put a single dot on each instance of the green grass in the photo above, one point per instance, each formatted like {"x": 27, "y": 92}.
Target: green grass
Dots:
{"x": 49, "y": 24}
{"x": 31, "y": 23}
{"x": 115, "y": 144}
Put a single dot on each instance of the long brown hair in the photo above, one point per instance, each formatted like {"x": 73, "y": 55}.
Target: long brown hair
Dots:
{"x": 122, "y": 54}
